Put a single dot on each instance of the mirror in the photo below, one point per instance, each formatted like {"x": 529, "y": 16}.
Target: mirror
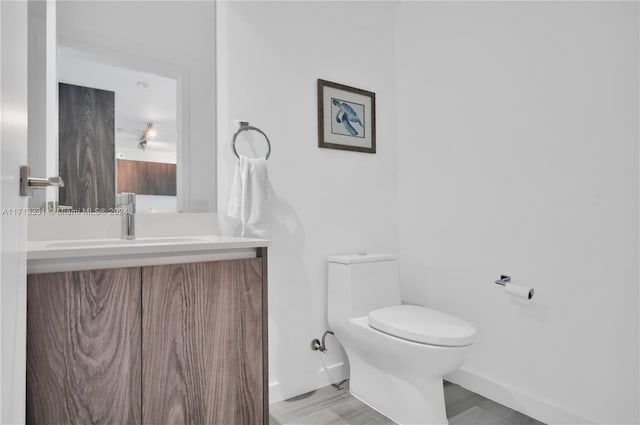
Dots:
{"x": 129, "y": 104}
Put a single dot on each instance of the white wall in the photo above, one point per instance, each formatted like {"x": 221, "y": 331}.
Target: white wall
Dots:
{"x": 517, "y": 128}
{"x": 324, "y": 201}
{"x": 180, "y": 34}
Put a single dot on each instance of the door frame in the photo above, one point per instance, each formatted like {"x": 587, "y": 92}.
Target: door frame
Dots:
{"x": 13, "y": 220}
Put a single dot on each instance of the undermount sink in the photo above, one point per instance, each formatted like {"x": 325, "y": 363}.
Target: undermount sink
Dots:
{"x": 123, "y": 242}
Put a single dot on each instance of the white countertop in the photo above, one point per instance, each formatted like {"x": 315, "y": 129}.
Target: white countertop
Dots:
{"x": 89, "y": 254}
{"x": 37, "y": 250}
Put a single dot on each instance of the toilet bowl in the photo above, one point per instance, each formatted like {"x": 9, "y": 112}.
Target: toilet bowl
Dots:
{"x": 397, "y": 353}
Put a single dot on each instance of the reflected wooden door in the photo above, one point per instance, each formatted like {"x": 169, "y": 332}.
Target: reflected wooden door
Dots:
{"x": 87, "y": 147}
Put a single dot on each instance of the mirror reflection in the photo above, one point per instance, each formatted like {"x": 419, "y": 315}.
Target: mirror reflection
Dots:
{"x": 108, "y": 112}
{"x": 135, "y": 98}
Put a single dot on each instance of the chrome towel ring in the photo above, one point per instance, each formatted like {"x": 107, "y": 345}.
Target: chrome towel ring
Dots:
{"x": 245, "y": 126}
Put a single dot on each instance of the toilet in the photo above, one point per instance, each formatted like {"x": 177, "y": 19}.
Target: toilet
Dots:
{"x": 398, "y": 354}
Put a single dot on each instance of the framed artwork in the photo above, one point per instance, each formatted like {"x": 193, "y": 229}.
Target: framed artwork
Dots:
{"x": 346, "y": 118}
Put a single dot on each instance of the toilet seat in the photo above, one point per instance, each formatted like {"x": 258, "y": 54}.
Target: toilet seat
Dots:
{"x": 423, "y": 325}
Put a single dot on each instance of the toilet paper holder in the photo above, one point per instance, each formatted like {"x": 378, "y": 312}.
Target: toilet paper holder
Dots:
{"x": 518, "y": 291}
{"x": 504, "y": 279}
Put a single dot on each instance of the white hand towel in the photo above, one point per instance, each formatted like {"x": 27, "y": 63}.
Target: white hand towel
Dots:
{"x": 248, "y": 191}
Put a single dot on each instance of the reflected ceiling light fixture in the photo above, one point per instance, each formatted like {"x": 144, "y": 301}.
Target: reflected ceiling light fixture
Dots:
{"x": 149, "y": 133}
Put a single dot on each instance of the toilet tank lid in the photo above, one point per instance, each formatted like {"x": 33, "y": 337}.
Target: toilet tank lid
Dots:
{"x": 360, "y": 258}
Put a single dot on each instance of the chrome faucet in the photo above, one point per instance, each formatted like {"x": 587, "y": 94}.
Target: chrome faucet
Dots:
{"x": 128, "y": 206}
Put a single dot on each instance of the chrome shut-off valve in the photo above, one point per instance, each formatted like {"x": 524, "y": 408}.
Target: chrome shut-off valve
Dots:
{"x": 317, "y": 345}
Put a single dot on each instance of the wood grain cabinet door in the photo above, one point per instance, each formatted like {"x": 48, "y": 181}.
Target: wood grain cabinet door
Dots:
{"x": 83, "y": 347}
{"x": 202, "y": 343}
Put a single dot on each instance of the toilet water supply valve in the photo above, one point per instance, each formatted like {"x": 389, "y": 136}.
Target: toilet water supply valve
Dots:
{"x": 316, "y": 345}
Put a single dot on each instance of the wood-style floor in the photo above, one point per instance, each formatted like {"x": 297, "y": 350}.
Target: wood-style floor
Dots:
{"x": 331, "y": 406}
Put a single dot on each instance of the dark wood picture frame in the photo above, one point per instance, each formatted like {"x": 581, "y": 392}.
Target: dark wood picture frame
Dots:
{"x": 366, "y": 124}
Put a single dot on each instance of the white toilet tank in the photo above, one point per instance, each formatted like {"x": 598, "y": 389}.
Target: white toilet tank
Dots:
{"x": 360, "y": 283}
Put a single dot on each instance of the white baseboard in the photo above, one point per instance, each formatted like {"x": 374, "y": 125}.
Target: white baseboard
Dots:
{"x": 321, "y": 378}
{"x": 541, "y": 410}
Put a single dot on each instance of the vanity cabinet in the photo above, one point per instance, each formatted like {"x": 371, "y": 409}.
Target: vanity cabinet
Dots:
{"x": 202, "y": 343}
{"x": 84, "y": 347}
{"x": 165, "y": 344}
